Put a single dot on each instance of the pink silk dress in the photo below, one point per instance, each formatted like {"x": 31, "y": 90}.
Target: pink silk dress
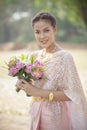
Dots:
{"x": 60, "y": 115}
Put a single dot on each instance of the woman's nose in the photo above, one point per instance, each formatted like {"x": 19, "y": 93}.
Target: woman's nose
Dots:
{"x": 42, "y": 35}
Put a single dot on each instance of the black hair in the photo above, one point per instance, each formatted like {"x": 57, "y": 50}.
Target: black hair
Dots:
{"x": 44, "y": 16}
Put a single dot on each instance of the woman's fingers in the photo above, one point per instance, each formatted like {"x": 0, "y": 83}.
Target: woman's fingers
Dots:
{"x": 23, "y": 81}
{"x": 18, "y": 84}
{"x": 24, "y": 85}
{"x": 23, "y": 88}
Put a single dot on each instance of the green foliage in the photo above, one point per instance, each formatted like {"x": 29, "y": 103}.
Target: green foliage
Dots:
{"x": 32, "y": 59}
{"x": 78, "y": 39}
{"x": 70, "y": 16}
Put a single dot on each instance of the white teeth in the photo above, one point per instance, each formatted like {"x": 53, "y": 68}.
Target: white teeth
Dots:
{"x": 44, "y": 41}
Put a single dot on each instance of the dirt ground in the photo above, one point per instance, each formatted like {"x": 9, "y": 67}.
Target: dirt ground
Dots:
{"x": 14, "y": 122}
{"x": 14, "y": 107}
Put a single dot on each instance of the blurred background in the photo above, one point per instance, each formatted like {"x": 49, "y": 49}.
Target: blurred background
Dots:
{"x": 16, "y": 37}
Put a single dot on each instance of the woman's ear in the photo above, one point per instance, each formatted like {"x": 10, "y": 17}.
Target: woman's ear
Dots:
{"x": 55, "y": 30}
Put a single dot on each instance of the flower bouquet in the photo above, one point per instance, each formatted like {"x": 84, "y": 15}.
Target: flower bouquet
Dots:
{"x": 24, "y": 68}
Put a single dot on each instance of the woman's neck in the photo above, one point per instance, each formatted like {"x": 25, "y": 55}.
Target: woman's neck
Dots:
{"x": 52, "y": 48}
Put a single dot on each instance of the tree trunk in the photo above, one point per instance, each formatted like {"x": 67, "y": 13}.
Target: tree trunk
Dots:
{"x": 83, "y": 9}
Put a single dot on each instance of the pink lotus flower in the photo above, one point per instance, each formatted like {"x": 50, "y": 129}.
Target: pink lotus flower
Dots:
{"x": 19, "y": 65}
{"x": 37, "y": 63}
{"x": 11, "y": 64}
{"x": 13, "y": 71}
{"x": 28, "y": 68}
{"x": 37, "y": 74}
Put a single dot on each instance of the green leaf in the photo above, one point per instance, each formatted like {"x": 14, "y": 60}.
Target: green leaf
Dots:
{"x": 32, "y": 59}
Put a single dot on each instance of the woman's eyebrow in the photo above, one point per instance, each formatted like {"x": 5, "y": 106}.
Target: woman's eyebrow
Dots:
{"x": 46, "y": 28}
{"x": 39, "y": 29}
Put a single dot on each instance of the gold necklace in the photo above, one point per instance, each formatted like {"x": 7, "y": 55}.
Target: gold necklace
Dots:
{"x": 54, "y": 48}
{"x": 44, "y": 53}
{"x": 47, "y": 56}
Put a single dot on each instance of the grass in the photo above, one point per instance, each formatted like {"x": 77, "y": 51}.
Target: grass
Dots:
{"x": 80, "y": 59}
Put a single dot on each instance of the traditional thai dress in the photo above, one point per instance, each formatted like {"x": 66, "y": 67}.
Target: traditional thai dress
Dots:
{"x": 59, "y": 115}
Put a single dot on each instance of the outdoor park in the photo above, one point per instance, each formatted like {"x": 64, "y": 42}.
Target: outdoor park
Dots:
{"x": 16, "y": 37}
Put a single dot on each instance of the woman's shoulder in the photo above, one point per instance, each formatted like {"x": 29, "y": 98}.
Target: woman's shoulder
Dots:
{"x": 64, "y": 53}
{"x": 67, "y": 57}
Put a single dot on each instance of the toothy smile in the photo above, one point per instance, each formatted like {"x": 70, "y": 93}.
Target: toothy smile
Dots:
{"x": 44, "y": 41}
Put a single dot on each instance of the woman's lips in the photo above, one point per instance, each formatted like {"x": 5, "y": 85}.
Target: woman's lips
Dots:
{"x": 44, "y": 41}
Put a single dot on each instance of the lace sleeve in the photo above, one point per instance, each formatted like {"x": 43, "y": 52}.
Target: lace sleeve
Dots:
{"x": 71, "y": 81}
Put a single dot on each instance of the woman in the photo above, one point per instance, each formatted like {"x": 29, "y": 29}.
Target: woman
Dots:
{"x": 59, "y": 102}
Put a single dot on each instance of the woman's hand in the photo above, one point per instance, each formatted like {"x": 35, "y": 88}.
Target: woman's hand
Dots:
{"x": 25, "y": 86}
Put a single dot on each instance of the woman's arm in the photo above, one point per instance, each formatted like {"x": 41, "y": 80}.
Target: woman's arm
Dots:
{"x": 57, "y": 95}
{"x": 37, "y": 92}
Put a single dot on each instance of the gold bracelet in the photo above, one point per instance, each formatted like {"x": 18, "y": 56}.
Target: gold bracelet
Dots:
{"x": 38, "y": 99}
{"x": 51, "y": 95}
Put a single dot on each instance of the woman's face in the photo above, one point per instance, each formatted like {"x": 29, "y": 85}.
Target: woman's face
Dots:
{"x": 44, "y": 33}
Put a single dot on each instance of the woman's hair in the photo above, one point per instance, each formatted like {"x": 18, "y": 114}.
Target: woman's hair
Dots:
{"x": 44, "y": 16}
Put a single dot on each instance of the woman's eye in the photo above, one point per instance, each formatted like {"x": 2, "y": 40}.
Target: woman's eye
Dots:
{"x": 37, "y": 32}
{"x": 46, "y": 30}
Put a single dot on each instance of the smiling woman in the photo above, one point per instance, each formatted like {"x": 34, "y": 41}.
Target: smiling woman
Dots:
{"x": 58, "y": 102}
{"x": 45, "y": 30}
